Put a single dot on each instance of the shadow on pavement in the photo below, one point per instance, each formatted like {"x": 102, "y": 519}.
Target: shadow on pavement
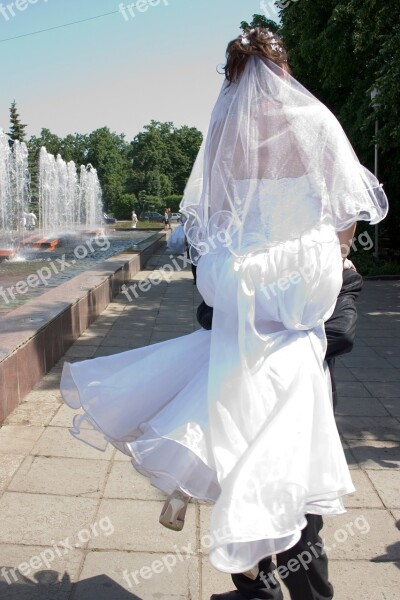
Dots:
{"x": 386, "y": 457}
{"x": 391, "y": 550}
{"x": 47, "y": 585}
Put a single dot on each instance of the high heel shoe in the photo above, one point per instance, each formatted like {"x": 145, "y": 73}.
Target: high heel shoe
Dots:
{"x": 173, "y": 513}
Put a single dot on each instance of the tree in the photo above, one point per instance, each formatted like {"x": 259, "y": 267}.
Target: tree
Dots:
{"x": 260, "y": 21}
{"x": 17, "y": 129}
{"x": 162, "y": 158}
{"x": 107, "y": 152}
{"x": 341, "y": 50}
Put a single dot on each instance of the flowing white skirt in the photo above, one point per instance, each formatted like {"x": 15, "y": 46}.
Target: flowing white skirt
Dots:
{"x": 246, "y": 422}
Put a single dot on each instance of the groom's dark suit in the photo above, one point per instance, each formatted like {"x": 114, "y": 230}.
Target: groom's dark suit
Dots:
{"x": 311, "y": 583}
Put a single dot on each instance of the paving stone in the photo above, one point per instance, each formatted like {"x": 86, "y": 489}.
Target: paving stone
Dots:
{"x": 64, "y": 417}
{"x": 103, "y": 578}
{"x": 359, "y": 351}
{"x": 352, "y": 389}
{"x": 51, "y": 383}
{"x": 57, "y": 441}
{"x": 137, "y": 527}
{"x": 351, "y": 461}
{"x": 62, "y": 476}
{"x": 125, "y": 482}
{"x": 18, "y": 439}
{"x": 385, "y": 342}
{"x": 392, "y": 405}
{"x": 173, "y": 327}
{"x": 163, "y": 336}
{"x": 384, "y": 390}
{"x": 46, "y": 578}
{"x": 125, "y": 343}
{"x": 50, "y": 518}
{"x": 394, "y": 361}
{"x": 81, "y": 351}
{"x": 33, "y": 413}
{"x": 213, "y": 581}
{"x": 343, "y": 374}
{"x": 362, "y": 534}
{"x": 374, "y": 362}
{"x": 91, "y": 338}
{"x": 366, "y": 333}
{"x": 9, "y": 465}
{"x": 363, "y": 407}
{"x": 364, "y": 579}
{"x": 365, "y": 495}
{"x": 378, "y": 375}
{"x": 130, "y": 333}
{"x": 372, "y": 454}
{"x": 369, "y": 428}
{"x": 387, "y": 483}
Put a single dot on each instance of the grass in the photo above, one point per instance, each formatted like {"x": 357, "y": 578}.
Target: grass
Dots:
{"x": 140, "y": 225}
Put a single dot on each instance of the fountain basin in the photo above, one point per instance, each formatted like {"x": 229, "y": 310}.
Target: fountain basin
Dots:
{"x": 37, "y": 334}
{"x": 6, "y": 254}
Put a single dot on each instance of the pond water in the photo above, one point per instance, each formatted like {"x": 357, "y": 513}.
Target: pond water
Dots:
{"x": 32, "y": 272}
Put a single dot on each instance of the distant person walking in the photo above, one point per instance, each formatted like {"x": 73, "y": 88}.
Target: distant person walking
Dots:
{"x": 31, "y": 221}
{"x": 134, "y": 220}
{"x": 166, "y": 219}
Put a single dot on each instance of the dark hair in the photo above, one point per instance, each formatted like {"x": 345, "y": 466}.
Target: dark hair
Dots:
{"x": 261, "y": 42}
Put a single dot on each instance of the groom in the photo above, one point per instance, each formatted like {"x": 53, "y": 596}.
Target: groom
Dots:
{"x": 306, "y": 579}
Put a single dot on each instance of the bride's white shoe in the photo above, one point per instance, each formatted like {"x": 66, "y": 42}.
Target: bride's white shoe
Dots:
{"x": 173, "y": 513}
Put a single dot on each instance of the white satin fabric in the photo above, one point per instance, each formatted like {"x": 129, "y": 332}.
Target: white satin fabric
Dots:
{"x": 246, "y": 422}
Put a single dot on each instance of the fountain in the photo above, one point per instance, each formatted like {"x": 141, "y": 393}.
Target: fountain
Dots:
{"x": 91, "y": 205}
{"x": 66, "y": 205}
{"x": 14, "y": 193}
{"x": 69, "y": 234}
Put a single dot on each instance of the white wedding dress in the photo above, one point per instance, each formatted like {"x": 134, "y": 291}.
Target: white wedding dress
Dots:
{"x": 246, "y": 422}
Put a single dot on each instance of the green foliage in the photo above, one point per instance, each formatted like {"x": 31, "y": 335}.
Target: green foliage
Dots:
{"x": 260, "y": 21}
{"x": 162, "y": 158}
{"x": 154, "y": 203}
{"x": 173, "y": 202}
{"x": 17, "y": 129}
{"x": 341, "y": 50}
{"x": 107, "y": 152}
{"x": 123, "y": 206}
{"x": 148, "y": 174}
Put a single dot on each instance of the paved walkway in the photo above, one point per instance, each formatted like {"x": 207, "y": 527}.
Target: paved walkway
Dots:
{"x": 77, "y": 524}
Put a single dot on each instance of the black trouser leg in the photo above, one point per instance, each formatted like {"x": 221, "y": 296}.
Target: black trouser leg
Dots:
{"x": 309, "y": 582}
{"x": 303, "y": 568}
{"x": 265, "y": 587}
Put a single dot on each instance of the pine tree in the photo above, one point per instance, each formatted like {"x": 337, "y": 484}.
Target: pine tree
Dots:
{"x": 17, "y": 129}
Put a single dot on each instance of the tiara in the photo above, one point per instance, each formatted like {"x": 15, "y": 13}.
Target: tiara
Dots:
{"x": 274, "y": 41}
{"x": 245, "y": 37}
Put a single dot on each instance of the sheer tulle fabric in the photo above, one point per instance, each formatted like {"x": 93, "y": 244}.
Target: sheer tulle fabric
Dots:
{"x": 267, "y": 126}
{"x": 246, "y": 420}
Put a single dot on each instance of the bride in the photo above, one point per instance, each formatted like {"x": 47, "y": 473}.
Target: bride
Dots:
{"x": 247, "y": 424}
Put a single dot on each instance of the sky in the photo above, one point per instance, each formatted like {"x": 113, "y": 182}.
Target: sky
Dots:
{"x": 157, "y": 60}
